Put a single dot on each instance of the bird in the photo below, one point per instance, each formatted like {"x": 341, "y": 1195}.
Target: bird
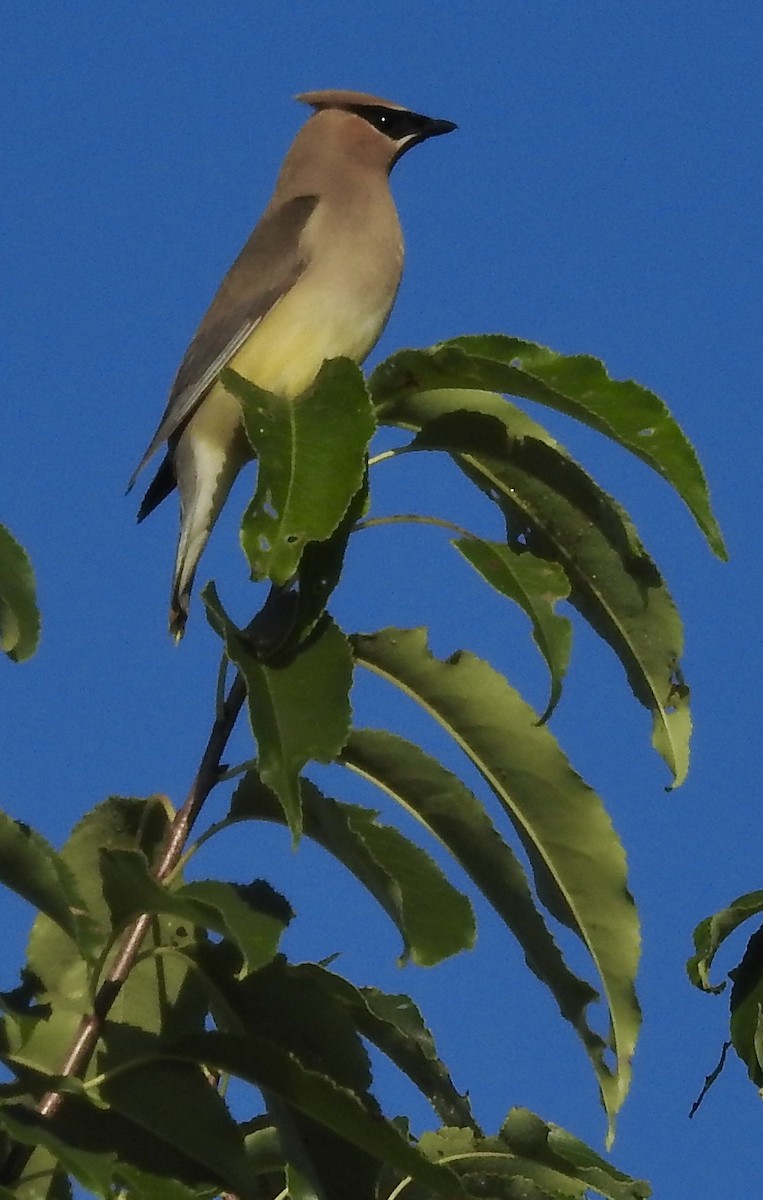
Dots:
{"x": 316, "y": 280}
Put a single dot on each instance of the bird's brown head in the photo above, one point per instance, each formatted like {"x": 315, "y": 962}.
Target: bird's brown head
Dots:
{"x": 378, "y": 130}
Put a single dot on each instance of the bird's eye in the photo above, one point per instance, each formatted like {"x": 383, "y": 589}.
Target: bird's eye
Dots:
{"x": 395, "y": 123}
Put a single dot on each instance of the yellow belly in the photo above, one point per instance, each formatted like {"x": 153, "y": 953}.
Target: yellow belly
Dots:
{"x": 286, "y": 350}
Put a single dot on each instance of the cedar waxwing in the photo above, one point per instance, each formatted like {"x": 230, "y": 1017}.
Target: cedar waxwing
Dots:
{"x": 317, "y": 279}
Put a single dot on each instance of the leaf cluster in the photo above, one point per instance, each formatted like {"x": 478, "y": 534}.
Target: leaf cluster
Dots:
{"x": 176, "y": 987}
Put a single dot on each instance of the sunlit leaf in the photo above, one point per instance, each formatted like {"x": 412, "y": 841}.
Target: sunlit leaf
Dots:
{"x": 31, "y": 867}
{"x": 155, "y": 994}
{"x": 526, "y": 1134}
{"x": 556, "y": 510}
{"x": 536, "y": 585}
{"x": 577, "y": 858}
{"x": 311, "y": 462}
{"x": 577, "y": 385}
{"x": 529, "y": 1159}
{"x": 19, "y": 616}
{"x": 711, "y": 933}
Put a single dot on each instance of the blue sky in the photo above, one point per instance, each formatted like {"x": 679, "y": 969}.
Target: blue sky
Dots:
{"x": 599, "y": 197}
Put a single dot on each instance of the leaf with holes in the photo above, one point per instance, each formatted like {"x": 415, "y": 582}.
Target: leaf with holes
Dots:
{"x": 312, "y": 458}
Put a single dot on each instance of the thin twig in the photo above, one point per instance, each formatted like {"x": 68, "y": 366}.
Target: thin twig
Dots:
{"x": 710, "y": 1079}
{"x": 412, "y": 519}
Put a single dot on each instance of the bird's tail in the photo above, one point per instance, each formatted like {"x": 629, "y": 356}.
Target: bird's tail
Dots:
{"x": 205, "y": 474}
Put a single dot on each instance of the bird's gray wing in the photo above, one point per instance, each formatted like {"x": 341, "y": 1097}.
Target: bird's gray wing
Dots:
{"x": 268, "y": 266}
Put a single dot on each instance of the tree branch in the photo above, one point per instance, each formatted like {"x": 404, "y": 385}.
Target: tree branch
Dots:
{"x": 207, "y": 776}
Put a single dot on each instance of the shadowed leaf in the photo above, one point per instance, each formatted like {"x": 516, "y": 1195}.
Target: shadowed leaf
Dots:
{"x": 222, "y": 907}
{"x": 299, "y": 709}
{"x": 434, "y": 920}
{"x": 270, "y": 1066}
{"x": 711, "y": 933}
{"x": 577, "y": 858}
{"x": 454, "y": 815}
{"x": 19, "y": 616}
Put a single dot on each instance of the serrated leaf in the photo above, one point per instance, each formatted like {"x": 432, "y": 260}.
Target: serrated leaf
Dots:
{"x": 455, "y": 816}
{"x": 312, "y": 457}
{"x": 299, "y": 709}
{"x": 434, "y": 919}
{"x": 19, "y": 615}
{"x": 130, "y": 890}
{"x": 31, "y": 867}
{"x": 711, "y": 933}
{"x": 270, "y": 1066}
{"x": 394, "y": 1024}
{"x": 578, "y": 385}
{"x": 556, "y": 510}
{"x": 536, "y": 585}
{"x": 577, "y": 858}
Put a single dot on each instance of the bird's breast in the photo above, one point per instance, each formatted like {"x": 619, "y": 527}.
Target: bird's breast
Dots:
{"x": 337, "y": 308}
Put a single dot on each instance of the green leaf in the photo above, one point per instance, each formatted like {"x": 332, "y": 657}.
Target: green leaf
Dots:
{"x": 100, "y": 1147}
{"x": 19, "y": 616}
{"x": 312, "y": 459}
{"x": 526, "y": 1134}
{"x": 746, "y": 1007}
{"x": 321, "y": 565}
{"x": 158, "y": 992}
{"x": 434, "y": 920}
{"x": 557, "y": 511}
{"x": 176, "y": 1103}
{"x": 536, "y": 585}
{"x": 529, "y": 1159}
{"x": 31, "y": 867}
{"x": 299, "y": 708}
{"x": 338, "y": 1108}
{"x": 118, "y": 822}
{"x": 487, "y": 1168}
{"x": 454, "y": 815}
{"x": 211, "y": 904}
{"x": 93, "y": 1169}
{"x": 711, "y": 933}
{"x": 138, "y": 1184}
{"x": 577, "y": 858}
{"x": 394, "y": 1024}
{"x": 577, "y": 385}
